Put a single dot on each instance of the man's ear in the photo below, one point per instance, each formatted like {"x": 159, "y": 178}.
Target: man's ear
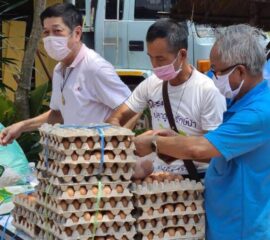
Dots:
{"x": 78, "y": 32}
{"x": 183, "y": 53}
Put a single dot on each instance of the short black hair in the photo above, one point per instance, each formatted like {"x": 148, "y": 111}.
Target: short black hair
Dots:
{"x": 67, "y": 11}
{"x": 176, "y": 33}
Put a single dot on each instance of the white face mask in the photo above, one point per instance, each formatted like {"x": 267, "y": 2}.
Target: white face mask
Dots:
{"x": 56, "y": 47}
{"x": 223, "y": 84}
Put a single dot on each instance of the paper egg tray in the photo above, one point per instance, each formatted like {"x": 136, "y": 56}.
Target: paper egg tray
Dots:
{"x": 88, "y": 143}
{"x": 79, "y": 171}
{"x": 167, "y": 186}
{"x": 68, "y": 207}
{"x": 57, "y": 132}
{"x": 175, "y": 234}
{"x": 25, "y": 225}
{"x": 90, "y": 191}
{"x": 87, "y": 231}
{"x": 83, "y": 156}
{"x": 27, "y": 201}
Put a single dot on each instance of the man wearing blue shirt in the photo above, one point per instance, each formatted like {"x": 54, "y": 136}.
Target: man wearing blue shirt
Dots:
{"x": 237, "y": 183}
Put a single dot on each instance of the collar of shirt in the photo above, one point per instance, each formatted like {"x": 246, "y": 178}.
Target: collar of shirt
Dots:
{"x": 248, "y": 97}
{"x": 80, "y": 56}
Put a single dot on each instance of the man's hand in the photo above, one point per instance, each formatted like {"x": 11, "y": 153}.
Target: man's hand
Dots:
{"x": 143, "y": 168}
{"x": 143, "y": 144}
{"x": 10, "y": 133}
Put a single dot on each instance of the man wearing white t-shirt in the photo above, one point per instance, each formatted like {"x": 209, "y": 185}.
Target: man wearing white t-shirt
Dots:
{"x": 86, "y": 87}
{"x": 197, "y": 105}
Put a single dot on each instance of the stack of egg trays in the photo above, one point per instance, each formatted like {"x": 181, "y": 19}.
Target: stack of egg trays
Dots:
{"x": 171, "y": 209}
{"x": 67, "y": 193}
{"x": 24, "y": 214}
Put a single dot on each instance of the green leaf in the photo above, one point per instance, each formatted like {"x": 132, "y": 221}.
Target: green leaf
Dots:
{"x": 13, "y": 5}
{"x": 37, "y": 97}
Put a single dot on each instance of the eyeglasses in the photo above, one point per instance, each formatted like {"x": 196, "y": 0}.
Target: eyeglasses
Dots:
{"x": 222, "y": 72}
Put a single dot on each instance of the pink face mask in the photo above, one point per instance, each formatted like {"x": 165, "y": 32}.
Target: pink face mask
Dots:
{"x": 167, "y": 72}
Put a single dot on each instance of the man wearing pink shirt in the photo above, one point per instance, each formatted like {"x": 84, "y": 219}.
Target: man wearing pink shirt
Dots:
{"x": 86, "y": 87}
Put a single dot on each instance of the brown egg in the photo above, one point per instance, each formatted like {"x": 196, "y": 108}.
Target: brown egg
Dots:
{"x": 87, "y": 216}
{"x": 114, "y": 142}
{"x": 74, "y": 218}
{"x": 112, "y": 202}
{"x": 80, "y": 230}
{"x": 68, "y": 231}
{"x": 78, "y": 142}
{"x": 74, "y": 156}
{"x": 127, "y": 226}
{"x": 90, "y": 143}
{"x": 185, "y": 195}
{"x": 124, "y": 201}
{"x": 119, "y": 189}
{"x": 170, "y": 177}
{"x": 97, "y": 155}
{"x": 65, "y": 170}
{"x": 127, "y": 142}
{"x": 94, "y": 190}
{"x": 110, "y": 238}
{"x": 76, "y": 204}
{"x": 150, "y": 236}
{"x": 83, "y": 190}
{"x": 32, "y": 199}
{"x": 150, "y": 211}
{"x": 164, "y": 221}
{"x": 107, "y": 190}
{"x": 142, "y": 199}
{"x": 87, "y": 156}
{"x": 185, "y": 219}
{"x": 174, "y": 220}
{"x": 138, "y": 181}
{"x": 124, "y": 238}
{"x": 125, "y": 169}
{"x": 193, "y": 231}
{"x": 78, "y": 169}
{"x": 122, "y": 215}
{"x": 148, "y": 179}
{"x": 153, "y": 222}
{"x": 170, "y": 207}
{"x": 65, "y": 143}
{"x": 100, "y": 238}
{"x": 70, "y": 192}
{"x": 63, "y": 205}
{"x": 196, "y": 218}
{"x": 153, "y": 198}
{"x": 161, "y": 234}
{"x": 88, "y": 203}
{"x": 142, "y": 224}
{"x": 180, "y": 207}
{"x": 174, "y": 196}
{"x": 181, "y": 230}
{"x": 179, "y": 177}
{"x": 114, "y": 168}
{"x": 103, "y": 228}
{"x": 123, "y": 155}
{"x": 110, "y": 215}
{"x": 193, "y": 207}
{"x": 110, "y": 155}
{"x": 90, "y": 169}
{"x": 99, "y": 216}
{"x": 91, "y": 228}
{"x": 101, "y": 204}
{"x": 171, "y": 232}
{"x": 115, "y": 227}
{"x": 161, "y": 210}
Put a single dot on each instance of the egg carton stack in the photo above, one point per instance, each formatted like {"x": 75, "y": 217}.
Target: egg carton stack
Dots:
{"x": 169, "y": 207}
{"x": 79, "y": 197}
{"x": 24, "y": 213}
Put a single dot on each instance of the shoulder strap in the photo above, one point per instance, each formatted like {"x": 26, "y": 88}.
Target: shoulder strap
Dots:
{"x": 192, "y": 171}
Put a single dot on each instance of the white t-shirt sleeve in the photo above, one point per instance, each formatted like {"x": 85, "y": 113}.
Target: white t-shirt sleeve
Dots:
{"x": 137, "y": 102}
{"x": 213, "y": 107}
{"x": 54, "y": 103}
{"x": 110, "y": 89}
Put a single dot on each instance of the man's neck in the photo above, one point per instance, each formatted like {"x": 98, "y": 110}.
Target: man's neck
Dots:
{"x": 183, "y": 76}
{"x": 69, "y": 60}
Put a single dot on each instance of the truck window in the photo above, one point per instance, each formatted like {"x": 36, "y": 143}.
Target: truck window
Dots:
{"x": 111, "y": 9}
{"x": 149, "y": 9}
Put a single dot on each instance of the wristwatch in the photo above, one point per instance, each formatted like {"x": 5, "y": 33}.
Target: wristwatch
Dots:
{"x": 154, "y": 144}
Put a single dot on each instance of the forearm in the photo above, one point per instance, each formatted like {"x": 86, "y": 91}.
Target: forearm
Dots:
{"x": 181, "y": 147}
{"x": 50, "y": 116}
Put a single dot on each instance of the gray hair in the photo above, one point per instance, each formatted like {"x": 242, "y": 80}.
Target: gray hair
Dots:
{"x": 242, "y": 44}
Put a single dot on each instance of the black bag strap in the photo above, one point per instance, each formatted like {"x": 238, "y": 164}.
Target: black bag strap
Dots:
{"x": 192, "y": 171}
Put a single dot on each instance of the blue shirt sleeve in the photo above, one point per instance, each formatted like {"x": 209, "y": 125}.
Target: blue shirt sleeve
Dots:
{"x": 243, "y": 132}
